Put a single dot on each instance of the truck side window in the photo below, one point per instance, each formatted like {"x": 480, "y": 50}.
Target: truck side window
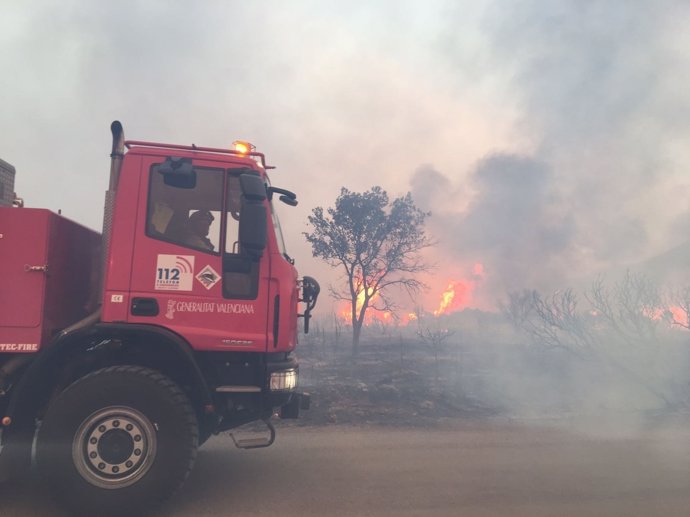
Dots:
{"x": 240, "y": 272}
{"x": 190, "y": 217}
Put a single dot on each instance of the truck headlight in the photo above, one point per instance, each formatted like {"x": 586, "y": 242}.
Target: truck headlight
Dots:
{"x": 283, "y": 380}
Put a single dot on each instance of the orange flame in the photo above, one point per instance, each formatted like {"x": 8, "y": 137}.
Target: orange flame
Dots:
{"x": 679, "y": 316}
{"x": 672, "y": 315}
{"x": 371, "y": 316}
{"x": 458, "y": 294}
{"x": 455, "y": 296}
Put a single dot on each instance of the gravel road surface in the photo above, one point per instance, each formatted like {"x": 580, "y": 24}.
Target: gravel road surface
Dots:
{"x": 468, "y": 469}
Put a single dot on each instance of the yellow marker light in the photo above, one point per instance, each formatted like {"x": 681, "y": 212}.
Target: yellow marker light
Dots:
{"x": 243, "y": 147}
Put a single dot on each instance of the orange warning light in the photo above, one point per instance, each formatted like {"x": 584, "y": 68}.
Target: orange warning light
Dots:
{"x": 243, "y": 147}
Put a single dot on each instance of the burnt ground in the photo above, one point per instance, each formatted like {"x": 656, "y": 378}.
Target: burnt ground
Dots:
{"x": 399, "y": 379}
{"x": 393, "y": 381}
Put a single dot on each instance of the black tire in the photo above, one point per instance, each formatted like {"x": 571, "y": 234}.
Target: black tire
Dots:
{"x": 118, "y": 440}
{"x": 203, "y": 437}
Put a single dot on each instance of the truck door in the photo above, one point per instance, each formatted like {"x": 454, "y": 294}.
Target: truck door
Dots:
{"x": 191, "y": 272}
{"x": 24, "y": 237}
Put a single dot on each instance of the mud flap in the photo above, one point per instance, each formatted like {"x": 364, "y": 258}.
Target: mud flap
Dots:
{"x": 4, "y": 467}
{"x": 297, "y": 401}
{"x": 15, "y": 452}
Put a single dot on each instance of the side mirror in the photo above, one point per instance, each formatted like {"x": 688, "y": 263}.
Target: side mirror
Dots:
{"x": 287, "y": 197}
{"x": 178, "y": 172}
{"x": 288, "y": 200}
{"x": 253, "y": 217}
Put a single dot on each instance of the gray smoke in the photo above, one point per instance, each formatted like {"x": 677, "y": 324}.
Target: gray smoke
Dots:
{"x": 515, "y": 223}
{"x": 591, "y": 93}
{"x": 595, "y": 85}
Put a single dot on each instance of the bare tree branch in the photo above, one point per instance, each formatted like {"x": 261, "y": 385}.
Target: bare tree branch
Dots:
{"x": 631, "y": 309}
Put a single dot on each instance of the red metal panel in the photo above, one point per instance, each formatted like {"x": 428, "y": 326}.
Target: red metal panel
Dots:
{"x": 121, "y": 252}
{"x": 23, "y": 245}
{"x": 48, "y": 276}
{"x": 283, "y": 284}
{"x": 73, "y": 276}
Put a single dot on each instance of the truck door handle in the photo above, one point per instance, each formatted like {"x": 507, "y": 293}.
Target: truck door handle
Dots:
{"x": 144, "y": 307}
{"x": 42, "y": 269}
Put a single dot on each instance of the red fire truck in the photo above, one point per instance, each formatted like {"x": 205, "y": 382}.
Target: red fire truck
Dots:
{"x": 120, "y": 353}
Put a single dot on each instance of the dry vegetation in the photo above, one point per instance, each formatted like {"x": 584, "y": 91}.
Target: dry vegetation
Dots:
{"x": 607, "y": 350}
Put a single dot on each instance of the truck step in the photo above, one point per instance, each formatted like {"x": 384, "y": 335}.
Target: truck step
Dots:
{"x": 256, "y": 443}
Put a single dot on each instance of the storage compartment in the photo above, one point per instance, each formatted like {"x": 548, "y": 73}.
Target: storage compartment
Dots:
{"x": 48, "y": 276}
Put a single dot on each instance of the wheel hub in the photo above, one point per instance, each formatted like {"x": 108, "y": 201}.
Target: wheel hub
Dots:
{"x": 114, "y": 447}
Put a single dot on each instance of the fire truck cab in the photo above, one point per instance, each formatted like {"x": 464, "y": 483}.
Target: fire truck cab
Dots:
{"x": 121, "y": 353}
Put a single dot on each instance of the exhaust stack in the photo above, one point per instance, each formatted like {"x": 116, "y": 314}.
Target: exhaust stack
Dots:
{"x": 116, "y": 155}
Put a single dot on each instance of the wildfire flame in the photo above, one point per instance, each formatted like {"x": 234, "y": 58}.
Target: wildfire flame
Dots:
{"x": 456, "y": 296}
{"x": 371, "y": 315}
{"x": 672, "y": 315}
{"x": 679, "y": 316}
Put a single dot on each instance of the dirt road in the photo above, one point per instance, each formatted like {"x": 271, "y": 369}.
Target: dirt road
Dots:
{"x": 472, "y": 469}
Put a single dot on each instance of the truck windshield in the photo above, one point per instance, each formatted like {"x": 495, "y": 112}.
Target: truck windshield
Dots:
{"x": 279, "y": 233}
{"x": 277, "y": 229}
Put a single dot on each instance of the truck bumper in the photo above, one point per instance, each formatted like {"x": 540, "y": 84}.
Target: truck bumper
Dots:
{"x": 272, "y": 391}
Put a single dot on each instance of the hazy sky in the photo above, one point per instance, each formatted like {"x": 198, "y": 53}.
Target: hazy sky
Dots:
{"x": 548, "y": 138}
